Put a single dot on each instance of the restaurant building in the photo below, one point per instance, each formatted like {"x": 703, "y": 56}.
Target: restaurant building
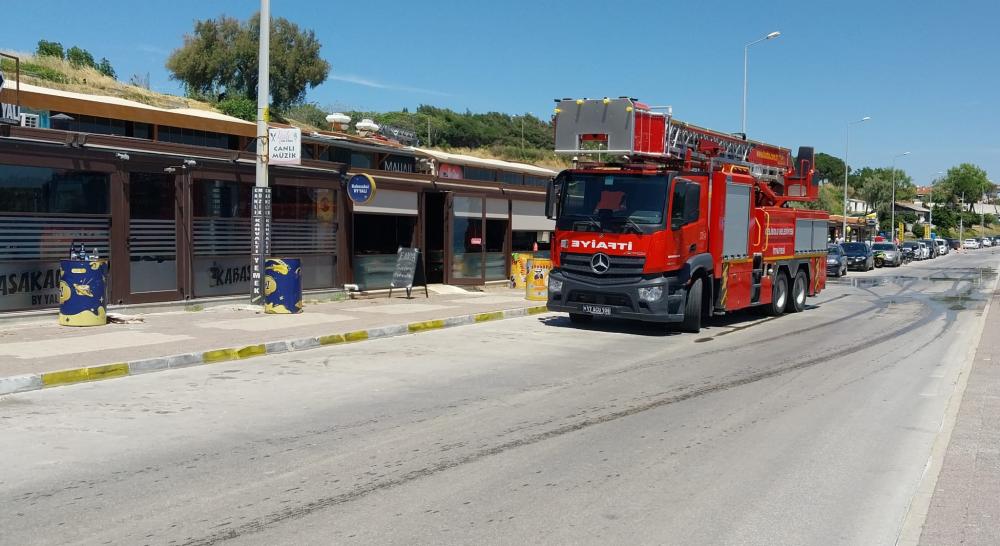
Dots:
{"x": 164, "y": 194}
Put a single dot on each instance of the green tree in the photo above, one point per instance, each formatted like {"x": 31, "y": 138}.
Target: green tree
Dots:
{"x": 104, "y": 67}
{"x": 50, "y": 49}
{"x": 829, "y": 169}
{"x": 80, "y": 57}
{"x": 989, "y": 220}
{"x": 918, "y": 231}
{"x": 966, "y": 179}
{"x": 220, "y": 56}
{"x": 830, "y": 199}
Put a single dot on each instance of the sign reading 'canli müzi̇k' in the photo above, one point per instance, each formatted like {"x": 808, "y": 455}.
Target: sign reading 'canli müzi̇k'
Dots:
{"x": 260, "y": 239}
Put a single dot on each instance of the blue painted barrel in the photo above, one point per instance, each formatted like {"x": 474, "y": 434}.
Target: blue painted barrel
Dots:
{"x": 81, "y": 292}
{"x": 283, "y": 285}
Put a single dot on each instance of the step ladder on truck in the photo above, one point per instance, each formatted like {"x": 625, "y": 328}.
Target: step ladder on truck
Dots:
{"x": 664, "y": 221}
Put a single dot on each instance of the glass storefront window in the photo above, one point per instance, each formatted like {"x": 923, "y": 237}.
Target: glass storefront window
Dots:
{"x": 467, "y": 238}
{"x": 152, "y": 232}
{"x": 221, "y": 237}
{"x": 57, "y": 191}
{"x": 496, "y": 258}
{"x": 377, "y": 237}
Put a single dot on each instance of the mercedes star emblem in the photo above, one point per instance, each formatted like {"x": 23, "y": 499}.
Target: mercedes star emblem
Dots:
{"x": 600, "y": 263}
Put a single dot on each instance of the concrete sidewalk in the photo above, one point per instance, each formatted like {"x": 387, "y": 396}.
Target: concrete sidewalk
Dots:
{"x": 31, "y": 351}
{"x": 965, "y": 506}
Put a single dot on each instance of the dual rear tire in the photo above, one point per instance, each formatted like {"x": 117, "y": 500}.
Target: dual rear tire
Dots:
{"x": 785, "y": 300}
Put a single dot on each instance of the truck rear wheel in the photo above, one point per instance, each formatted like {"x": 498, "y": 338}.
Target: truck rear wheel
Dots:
{"x": 580, "y": 318}
{"x": 692, "y": 309}
{"x": 797, "y": 302}
{"x": 779, "y": 295}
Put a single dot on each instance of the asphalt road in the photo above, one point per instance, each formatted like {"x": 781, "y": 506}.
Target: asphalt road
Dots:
{"x": 807, "y": 429}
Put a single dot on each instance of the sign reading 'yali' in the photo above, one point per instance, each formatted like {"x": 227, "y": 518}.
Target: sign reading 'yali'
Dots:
{"x": 9, "y": 113}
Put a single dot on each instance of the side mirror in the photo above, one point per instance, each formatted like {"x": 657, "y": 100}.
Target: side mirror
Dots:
{"x": 553, "y": 194}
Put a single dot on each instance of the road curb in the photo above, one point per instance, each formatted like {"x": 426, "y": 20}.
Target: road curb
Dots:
{"x": 32, "y": 382}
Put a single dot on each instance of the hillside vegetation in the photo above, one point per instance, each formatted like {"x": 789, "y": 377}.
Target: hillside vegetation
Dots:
{"x": 492, "y": 135}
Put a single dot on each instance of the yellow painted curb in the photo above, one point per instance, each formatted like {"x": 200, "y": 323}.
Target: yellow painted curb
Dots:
{"x": 251, "y": 351}
{"x": 77, "y": 375}
{"x": 331, "y": 339}
{"x": 425, "y": 325}
{"x": 360, "y": 335}
{"x": 537, "y": 310}
{"x": 483, "y": 317}
{"x": 220, "y": 355}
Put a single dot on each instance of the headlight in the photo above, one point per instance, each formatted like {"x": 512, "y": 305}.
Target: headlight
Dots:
{"x": 555, "y": 285}
{"x": 832, "y": 261}
{"x": 652, "y": 293}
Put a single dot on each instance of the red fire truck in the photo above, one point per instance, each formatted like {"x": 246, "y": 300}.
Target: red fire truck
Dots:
{"x": 663, "y": 221}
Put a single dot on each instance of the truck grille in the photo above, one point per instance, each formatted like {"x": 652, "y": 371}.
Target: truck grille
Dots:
{"x": 582, "y": 296}
{"x": 623, "y": 269}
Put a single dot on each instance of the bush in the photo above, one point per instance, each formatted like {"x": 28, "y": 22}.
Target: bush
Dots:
{"x": 308, "y": 112}
{"x": 50, "y": 49}
{"x": 239, "y": 107}
{"x": 36, "y": 71}
{"x": 918, "y": 231}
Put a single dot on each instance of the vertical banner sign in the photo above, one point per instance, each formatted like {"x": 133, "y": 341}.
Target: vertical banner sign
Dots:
{"x": 260, "y": 240}
{"x": 284, "y": 145}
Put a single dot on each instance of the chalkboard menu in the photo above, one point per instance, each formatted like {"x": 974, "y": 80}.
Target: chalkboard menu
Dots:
{"x": 409, "y": 271}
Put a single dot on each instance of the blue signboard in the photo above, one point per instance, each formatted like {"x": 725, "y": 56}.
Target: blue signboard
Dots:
{"x": 361, "y": 188}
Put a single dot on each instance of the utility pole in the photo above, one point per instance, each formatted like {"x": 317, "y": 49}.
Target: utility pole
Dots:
{"x": 961, "y": 226}
{"x": 261, "y": 199}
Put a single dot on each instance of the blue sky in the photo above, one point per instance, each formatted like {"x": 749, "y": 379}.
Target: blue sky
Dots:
{"x": 925, "y": 71}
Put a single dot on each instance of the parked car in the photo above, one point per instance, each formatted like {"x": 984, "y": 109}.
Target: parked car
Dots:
{"x": 970, "y": 244}
{"x": 955, "y": 244}
{"x": 836, "y": 261}
{"x": 859, "y": 256}
{"x": 987, "y": 241}
{"x": 932, "y": 248}
{"x": 891, "y": 254}
{"x": 943, "y": 247}
{"x": 913, "y": 247}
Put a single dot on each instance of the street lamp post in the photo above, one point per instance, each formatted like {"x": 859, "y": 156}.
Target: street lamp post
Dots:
{"x": 847, "y": 169}
{"x": 746, "y": 66}
{"x": 260, "y": 200}
{"x": 930, "y": 220}
{"x": 893, "y": 214}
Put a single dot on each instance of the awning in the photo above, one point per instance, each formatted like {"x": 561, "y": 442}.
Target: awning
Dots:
{"x": 390, "y": 202}
{"x": 529, "y": 216}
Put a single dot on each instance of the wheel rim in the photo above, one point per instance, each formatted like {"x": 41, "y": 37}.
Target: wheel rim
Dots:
{"x": 800, "y": 293}
{"x": 781, "y": 294}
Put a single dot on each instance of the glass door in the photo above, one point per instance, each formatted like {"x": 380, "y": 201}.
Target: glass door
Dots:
{"x": 152, "y": 238}
{"x": 467, "y": 254}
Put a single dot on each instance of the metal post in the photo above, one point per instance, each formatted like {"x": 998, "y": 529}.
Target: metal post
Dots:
{"x": 847, "y": 148}
{"x": 893, "y": 221}
{"x": 961, "y": 226}
{"x": 746, "y": 66}
{"x": 261, "y": 220}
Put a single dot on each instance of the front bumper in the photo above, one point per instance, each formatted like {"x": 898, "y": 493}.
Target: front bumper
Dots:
{"x": 857, "y": 264}
{"x": 623, "y": 299}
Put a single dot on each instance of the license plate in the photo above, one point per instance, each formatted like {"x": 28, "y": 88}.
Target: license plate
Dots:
{"x": 597, "y": 309}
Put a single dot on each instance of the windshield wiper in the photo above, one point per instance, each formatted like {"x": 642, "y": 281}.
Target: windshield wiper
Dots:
{"x": 630, "y": 222}
{"x": 589, "y": 219}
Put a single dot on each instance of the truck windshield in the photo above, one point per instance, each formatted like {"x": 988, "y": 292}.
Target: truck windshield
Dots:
{"x": 613, "y": 203}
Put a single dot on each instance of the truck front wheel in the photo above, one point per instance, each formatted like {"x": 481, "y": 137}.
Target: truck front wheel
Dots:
{"x": 779, "y": 295}
{"x": 797, "y": 303}
{"x": 692, "y": 309}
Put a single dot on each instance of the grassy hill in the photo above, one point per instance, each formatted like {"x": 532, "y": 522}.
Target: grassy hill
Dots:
{"x": 492, "y": 135}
